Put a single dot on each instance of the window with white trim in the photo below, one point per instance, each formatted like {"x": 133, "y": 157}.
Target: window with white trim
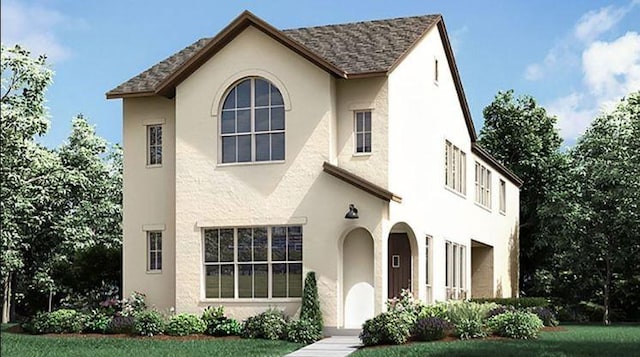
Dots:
{"x": 252, "y": 123}
{"x": 483, "y": 185}
{"x": 257, "y": 262}
{"x": 455, "y": 168}
{"x": 154, "y": 144}
{"x": 428, "y": 266}
{"x": 154, "y": 251}
{"x": 362, "y": 130}
{"x": 503, "y": 196}
{"x": 455, "y": 270}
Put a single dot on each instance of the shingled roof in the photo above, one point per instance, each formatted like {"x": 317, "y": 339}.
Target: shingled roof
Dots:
{"x": 346, "y": 50}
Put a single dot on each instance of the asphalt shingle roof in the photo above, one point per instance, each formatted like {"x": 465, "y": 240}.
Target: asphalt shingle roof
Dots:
{"x": 354, "y": 48}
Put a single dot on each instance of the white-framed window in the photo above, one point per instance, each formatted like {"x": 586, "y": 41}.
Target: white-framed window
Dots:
{"x": 455, "y": 270}
{"x": 429, "y": 267}
{"x": 154, "y": 144}
{"x": 252, "y": 126}
{"x": 255, "y": 262}
{"x": 483, "y": 185}
{"x": 436, "y": 75}
{"x": 362, "y": 131}
{"x": 154, "y": 251}
{"x": 503, "y": 196}
{"x": 455, "y": 168}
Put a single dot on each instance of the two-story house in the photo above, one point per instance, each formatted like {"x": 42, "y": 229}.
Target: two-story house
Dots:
{"x": 257, "y": 155}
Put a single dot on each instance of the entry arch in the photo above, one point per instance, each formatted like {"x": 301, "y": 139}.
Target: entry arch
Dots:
{"x": 358, "y": 288}
{"x": 402, "y": 260}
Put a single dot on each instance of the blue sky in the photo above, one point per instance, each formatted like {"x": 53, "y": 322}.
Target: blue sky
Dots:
{"x": 574, "y": 57}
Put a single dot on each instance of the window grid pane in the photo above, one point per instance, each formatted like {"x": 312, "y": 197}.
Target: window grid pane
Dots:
{"x": 362, "y": 131}
{"x": 154, "y": 144}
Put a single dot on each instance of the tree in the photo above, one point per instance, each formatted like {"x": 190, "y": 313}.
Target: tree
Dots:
{"x": 25, "y": 167}
{"x": 310, "y": 309}
{"x": 522, "y": 136}
{"x": 606, "y": 168}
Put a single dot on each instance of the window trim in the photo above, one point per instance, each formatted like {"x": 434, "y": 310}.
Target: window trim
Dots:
{"x": 150, "y": 235}
{"x": 149, "y": 146}
{"x": 456, "y": 270}
{"x": 483, "y": 186}
{"x": 455, "y": 164}
{"x": 269, "y": 262}
{"x": 502, "y": 196}
{"x": 252, "y": 133}
{"x": 363, "y": 132}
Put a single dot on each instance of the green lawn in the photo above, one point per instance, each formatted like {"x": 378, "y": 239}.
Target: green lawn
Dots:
{"x": 617, "y": 341}
{"x": 26, "y": 345}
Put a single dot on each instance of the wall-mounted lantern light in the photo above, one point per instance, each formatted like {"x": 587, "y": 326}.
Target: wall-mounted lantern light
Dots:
{"x": 353, "y": 212}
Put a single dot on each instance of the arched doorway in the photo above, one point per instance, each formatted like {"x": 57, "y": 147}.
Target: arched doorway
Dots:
{"x": 357, "y": 278}
{"x": 399, "y": 264}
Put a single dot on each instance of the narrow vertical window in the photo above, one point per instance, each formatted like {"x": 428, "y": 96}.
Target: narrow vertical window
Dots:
{"x": 447, "y": 264}
{"x": 483, "y": 185}
{"x": 363, "y": 131}
{"x": 455, "y": 168}
{"x": 154, "y": 249}
{"x": 503, "y": 196}
{"x": 154, "y": 144}
{"x": 435, "y": 70}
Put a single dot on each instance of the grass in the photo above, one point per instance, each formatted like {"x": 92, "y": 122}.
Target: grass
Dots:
{"x": 30, "y": 346}
{"x": 576, "y": 341}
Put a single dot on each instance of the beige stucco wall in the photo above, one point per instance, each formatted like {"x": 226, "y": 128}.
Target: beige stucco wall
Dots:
{"x": 148, "y": 199}
{"x": 423, "y": 114}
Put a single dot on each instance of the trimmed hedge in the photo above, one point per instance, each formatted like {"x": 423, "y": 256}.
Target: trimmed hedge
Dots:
{"x": 518, "y": 324}
{"x": 521, "y": 302}
{"x": 184, "y": 325}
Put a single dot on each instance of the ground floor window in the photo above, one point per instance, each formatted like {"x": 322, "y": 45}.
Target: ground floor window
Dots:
{"x": 154, "y": 251}
{"x": 254, "y": 262}
{"x": 456, "y": 270}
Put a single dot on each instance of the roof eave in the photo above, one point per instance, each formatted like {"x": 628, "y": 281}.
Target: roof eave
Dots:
{"x": 119, "y": 95}
{"x": 485, "y": 155}
{"x": 360, "y": 183}
{"x": 244, "y": 20}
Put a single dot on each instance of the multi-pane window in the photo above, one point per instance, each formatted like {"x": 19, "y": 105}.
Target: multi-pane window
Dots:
{"x": 455, "y": 270}
{"x": 259, "y": 262}
{"x": 455, "y": 168}
{"x": 503, "y": 196}
{"x": 154, "y": 249}
{"x": 252, "y": 123}
{"x": 428, "y": 262}
{"x": 154, "y": 144}
{"x": 483, "y": 185}
{"x": 363, "y": 131}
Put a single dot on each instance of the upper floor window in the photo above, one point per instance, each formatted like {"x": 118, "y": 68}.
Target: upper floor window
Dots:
{"x": 435, "y": 71}
{"x": 503, "y": 196}
{"x": 483, "y": 185}
{"x": 363, "y": 131}
{"x": 252, "y": 123}
{"x": 455, "y": 168}
{"x": 154, "y": 144}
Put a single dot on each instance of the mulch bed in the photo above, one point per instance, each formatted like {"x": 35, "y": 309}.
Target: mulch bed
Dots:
{"x": 554, "y": 329}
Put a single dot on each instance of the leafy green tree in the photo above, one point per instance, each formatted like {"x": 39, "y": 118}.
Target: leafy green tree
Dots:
{"x": 26, "y": 169}
{"x": 606, "y": 168}
{"x": 523, "y": 137}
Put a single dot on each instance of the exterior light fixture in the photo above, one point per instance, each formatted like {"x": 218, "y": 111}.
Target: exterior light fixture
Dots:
{"x": 353, "y": 212}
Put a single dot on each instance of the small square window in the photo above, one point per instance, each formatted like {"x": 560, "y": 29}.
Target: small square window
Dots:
{"x": 362, "y": 130}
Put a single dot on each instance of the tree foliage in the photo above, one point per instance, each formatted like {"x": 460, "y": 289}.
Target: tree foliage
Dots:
{"x": 523, "y": 137}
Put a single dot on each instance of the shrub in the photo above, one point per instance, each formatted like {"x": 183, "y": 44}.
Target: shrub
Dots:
{"x": 121, "y": 324}
{"x": 270, "y": 325}
{"x": 431, "y": 328}
{"x": 185, "y": 324}
{"x": 134, "y": 304}
{"x": 390, "y": 327}
{"x": 227, "y": 327}
{"x": 303, "y": 331}
{"x": 435, "y": 310}
{"x": 520, "y": 302}
{"x": 545, "y": 314}
{"x": 148, "y": 323}
{"x": 37, "y": 324}
{"x": 409, "y": 307}
{"x": 468, "y": 318}
{"x": 517, "y": 324}
{"x": 501, "y": 309}
{"x": 60, "y": 321}
{"x": 310, "y": 310}
{"x": 96, "y": 322}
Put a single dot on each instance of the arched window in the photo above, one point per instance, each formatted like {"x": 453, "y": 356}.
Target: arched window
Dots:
{"x": 252, "y": 122}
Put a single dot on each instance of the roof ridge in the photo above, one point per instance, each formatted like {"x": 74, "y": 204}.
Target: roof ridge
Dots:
{"x": 361, "y": 22}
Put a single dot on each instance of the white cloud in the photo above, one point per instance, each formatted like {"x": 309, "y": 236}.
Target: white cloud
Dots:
{"x": 33, "y": 27}
{"x": 609, "y": 69}
{"x": 456, "y": 38}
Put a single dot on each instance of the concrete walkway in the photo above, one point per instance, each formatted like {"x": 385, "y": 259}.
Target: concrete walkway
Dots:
{"x": 335, "y": 346}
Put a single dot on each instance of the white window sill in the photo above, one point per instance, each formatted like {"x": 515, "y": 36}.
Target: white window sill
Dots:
{"x": 488, "y": 209}
{"x": 154, "y": 272}
{"x": 251, "y": 300}
{"x": 250, "y": 163}
{"x": 362, "y": 154}
{"x": 504, "y": 213}
{"x": 156, "y": 166}
{"x": 459, "y": 194}
{"x": 436, "y": 83}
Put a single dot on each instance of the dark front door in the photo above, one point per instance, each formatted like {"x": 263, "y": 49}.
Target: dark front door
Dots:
{"x": 399, "y": 259}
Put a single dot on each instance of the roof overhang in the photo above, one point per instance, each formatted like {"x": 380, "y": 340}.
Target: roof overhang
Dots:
{"x": 360, "y": 183}
{"x": 486, "y": 156}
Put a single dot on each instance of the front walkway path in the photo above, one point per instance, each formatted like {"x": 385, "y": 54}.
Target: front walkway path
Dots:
{"x": 335, "y": 346}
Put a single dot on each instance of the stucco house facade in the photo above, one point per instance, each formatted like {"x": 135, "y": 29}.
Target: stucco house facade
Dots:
{"x": 243, "y": 153}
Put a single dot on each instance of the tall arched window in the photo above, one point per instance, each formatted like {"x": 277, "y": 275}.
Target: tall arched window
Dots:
{"x": 252, "y": 122}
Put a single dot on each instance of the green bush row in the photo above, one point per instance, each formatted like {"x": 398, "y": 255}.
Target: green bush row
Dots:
{"x": 407, "y": 319}
{"x": 519, "y": 302}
